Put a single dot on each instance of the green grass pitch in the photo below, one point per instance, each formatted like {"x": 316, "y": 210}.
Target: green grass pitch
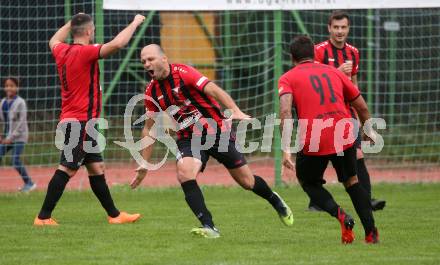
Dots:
{"x": 251, "y": 232}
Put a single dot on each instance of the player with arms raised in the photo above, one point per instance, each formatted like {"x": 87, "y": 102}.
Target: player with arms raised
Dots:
{"x": 78, "y": 70}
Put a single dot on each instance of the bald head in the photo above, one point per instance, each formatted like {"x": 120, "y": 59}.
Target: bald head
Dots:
{"x": 155, "y": 61}
{"x": 153, "y": 49}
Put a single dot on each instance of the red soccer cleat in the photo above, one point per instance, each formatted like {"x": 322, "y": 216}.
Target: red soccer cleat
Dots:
{"x": 372, "y": 237}
{"x": 347, "y": 224}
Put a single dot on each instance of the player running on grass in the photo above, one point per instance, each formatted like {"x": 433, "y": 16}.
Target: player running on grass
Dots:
{"x": 338, "y": 53}
{"x": 197, "y": 97}
{"x": 318, "y": 91}
{"x": 78, "y": 70}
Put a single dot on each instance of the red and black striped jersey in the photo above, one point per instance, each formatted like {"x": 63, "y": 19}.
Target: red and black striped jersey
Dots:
{"x": 181, "y": 95}
{"x": 78, "y": 70}
{"x": 327, "y": 53}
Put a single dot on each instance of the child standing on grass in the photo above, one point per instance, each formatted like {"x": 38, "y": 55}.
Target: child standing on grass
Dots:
{"x": 13, "y": 118}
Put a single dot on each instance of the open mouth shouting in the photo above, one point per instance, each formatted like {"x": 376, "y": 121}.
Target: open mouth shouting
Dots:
{"x": 151, "y": 73}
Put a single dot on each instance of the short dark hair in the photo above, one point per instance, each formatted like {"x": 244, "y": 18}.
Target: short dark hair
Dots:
{"x": 302, "y": 48}
{"x": 338, "y": 15}
{"x": 13, "y": 79}
{"x": 78, "y": 23}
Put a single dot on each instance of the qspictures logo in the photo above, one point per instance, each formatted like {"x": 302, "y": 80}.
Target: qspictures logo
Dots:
{"x": 345, "y": 132}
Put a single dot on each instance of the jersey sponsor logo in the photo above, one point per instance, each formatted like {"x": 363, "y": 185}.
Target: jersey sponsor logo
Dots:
{"x": 191, "y": 119}
{"x": 180, "y": 69}
{"x": 331, "y": 59}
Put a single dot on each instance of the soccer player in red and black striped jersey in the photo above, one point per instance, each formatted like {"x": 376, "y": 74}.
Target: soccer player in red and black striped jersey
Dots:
{"x": 78, "y": 71}
{"x": 192, "y": 101}
{"x": 320, "y": 95}
{"x": 338, "y": 53}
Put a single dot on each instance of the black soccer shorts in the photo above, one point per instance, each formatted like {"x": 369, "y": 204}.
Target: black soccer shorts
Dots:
{"x": 231, "y": 159}
{"x": 310, "y": 169}
{"x": 79, "y": 157}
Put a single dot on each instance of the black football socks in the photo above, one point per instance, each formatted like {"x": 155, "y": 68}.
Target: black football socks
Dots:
{"x": 101, "y": 191}
{"x": 264, "y": 191}
{"x": 54, "y": 191}
{"x": 361, "y": 203}
{"x": 195, "y": 200}
{"x": 363, "y": 176}
{"x": 321, "y": 197}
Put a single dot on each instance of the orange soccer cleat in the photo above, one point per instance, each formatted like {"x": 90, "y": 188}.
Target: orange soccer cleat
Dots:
{"x": 44, "y": 222}
{"x": 123, "y": 218}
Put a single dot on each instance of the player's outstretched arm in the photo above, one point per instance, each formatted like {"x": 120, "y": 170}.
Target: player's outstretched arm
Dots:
{"x": 146, "y": 153}
{"x": 60, "y": 36}
{"x": 286, "y": 114}
{"x": 122, "y": 38}
{"x": 221, "y": 96}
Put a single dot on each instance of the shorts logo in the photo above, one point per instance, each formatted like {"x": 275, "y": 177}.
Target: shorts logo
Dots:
{"x": 238, "y": 162}
{"x": 80, "y": 162}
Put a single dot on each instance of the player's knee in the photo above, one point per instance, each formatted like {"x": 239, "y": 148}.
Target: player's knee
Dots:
{"x": 184, "y": 174}
{"x": 68, "y": 171}
{"x": 350, "y": 182}
{"x": 307, "y": 186}
{"x": 95, "y": 169}
{"x": 246, "y": 183}
{"x": 101, "y": 168}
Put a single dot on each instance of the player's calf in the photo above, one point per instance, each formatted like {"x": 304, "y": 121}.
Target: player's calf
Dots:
{"x": 361, "y": 203}
{"x": 263, "y": 190}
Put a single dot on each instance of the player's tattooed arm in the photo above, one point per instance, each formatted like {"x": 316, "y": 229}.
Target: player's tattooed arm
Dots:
{"x": 225, "y": 99}
{"x": 286, "y": 116}
{"x": 60, "y": 36}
